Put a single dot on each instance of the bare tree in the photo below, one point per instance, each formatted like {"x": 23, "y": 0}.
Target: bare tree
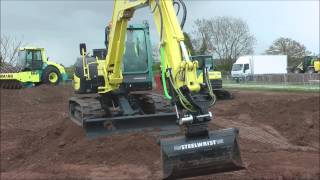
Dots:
{"x": 9, "y": 50}
{"x": 286, "y": 46}
{"x": 226, "y": 38}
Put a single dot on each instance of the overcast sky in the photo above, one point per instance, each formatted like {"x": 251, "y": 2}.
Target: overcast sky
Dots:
{"x": 59, "y": 26}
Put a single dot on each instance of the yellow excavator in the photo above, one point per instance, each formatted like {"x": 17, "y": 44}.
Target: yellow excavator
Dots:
{"x": 113, "y": 94}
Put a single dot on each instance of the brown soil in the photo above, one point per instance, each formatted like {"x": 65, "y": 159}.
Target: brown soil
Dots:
{"x": 279, "y": 139}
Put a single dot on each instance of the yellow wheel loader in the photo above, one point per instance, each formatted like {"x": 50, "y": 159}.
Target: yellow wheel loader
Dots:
{"x": 114, "y": 95}
{"x": 32, "y": 68}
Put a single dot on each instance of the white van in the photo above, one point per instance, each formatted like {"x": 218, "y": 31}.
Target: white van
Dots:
{"x": 246, "y": 66}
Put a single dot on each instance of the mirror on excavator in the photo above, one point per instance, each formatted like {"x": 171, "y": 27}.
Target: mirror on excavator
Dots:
{"x": 83, "y": 48}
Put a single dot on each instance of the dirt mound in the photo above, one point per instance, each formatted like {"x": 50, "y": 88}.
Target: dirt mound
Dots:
{"x": 66, "y": 143}
{"x": 39, "y": 133}
{"x": 293, "y": 115}
{"x": 38, "y": 141}
{"x": 38, "y": 96}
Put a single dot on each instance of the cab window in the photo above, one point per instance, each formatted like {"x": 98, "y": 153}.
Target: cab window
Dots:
{"x": 37, "y": 55}
{"x": 237, "y": 67}
{"x": 33, "y": 60}
{"x": 246, "y": 67}
{"x": 135, "y": 58}
{"x": 29, "y": 59}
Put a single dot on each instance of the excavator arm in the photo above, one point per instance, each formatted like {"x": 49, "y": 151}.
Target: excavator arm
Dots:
{"x": 178, "y": 70}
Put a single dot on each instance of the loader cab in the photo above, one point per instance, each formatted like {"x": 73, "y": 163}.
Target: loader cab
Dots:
{"x": 30, "y": 60}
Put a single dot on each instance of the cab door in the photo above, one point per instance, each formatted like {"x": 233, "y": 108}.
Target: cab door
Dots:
{"x": 33, "y": 60}
{"x": 246, "y": 70}
{"x": 37, "y": 61}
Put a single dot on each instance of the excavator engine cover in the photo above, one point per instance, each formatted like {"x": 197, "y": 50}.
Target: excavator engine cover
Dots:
{"x": 188, "y": 157}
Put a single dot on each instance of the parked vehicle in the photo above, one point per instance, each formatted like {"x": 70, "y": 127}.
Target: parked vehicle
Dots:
{"x": 247, "y": 66}
{"x": 33, "y": 67}
{"x": 310, "y": 64}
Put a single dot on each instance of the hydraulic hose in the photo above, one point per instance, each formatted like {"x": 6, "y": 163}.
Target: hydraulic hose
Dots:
{"x": 161, "y": 20}
{"x": 184, "y": 17}
{"x": 206, "y": 79}
{"x": 184, "y": 102}
{"x": 163, "y": 75}
{"x": 179, "y": 6}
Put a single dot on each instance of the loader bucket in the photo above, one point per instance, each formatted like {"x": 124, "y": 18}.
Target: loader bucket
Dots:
{"x": 184, "y": 157}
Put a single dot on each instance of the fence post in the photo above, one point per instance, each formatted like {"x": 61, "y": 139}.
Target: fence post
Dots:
{"x": 309, "y": 82}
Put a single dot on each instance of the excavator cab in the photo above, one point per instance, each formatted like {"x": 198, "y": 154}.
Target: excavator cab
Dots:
{"x": 137, "y": 59}
{"x": 136, "y": 66}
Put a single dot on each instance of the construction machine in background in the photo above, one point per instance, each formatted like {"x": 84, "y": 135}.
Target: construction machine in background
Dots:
{"x": 215, "y": 76}
{"x": 32, "y": 68}
{"x": 310, "y": 64}
{"x": 113, "y": 94}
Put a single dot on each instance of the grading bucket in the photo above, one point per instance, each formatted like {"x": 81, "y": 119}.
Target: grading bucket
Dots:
{"x": 184, "y": 157}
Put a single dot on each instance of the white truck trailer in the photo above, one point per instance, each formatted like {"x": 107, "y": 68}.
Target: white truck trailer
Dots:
{"x": 248, "y": 66}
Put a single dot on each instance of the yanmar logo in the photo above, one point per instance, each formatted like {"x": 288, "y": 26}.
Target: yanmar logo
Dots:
{"x": 198, "y": 145}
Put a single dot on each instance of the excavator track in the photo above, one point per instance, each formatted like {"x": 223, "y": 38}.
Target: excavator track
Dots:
{"x": 10, "y": 84}
{"x": 84, "y": 107}
{"x": 87, "y": 112}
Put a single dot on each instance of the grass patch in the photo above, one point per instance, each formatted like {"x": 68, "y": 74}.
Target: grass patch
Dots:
{"x": 273, "y": 87}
